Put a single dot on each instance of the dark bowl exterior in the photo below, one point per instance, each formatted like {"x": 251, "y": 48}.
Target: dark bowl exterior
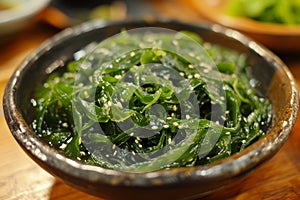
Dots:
{"x": 180, "y": 183}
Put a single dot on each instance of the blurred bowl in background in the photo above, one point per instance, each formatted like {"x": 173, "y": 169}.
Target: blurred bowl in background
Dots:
{"x": 277, "y": 37}
{"x": 16, "y": 14}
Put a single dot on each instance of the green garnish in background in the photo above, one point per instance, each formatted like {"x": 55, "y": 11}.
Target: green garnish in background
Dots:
{"x": 135, "y": 104}
{"x": 272, "y": 11}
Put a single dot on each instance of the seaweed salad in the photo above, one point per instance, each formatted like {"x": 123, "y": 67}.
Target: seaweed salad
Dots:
{"x": 144, "y": 101}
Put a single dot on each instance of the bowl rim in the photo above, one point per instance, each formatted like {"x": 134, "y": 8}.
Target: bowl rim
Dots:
{"x": 232, "y": 166}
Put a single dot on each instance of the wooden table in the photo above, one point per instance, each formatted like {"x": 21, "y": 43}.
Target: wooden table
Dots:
{"x": 21, "y": 178}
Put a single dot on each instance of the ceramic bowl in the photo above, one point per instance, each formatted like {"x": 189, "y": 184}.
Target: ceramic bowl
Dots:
{"x": 277, "y": 37}
{"x": 277, "y": 84}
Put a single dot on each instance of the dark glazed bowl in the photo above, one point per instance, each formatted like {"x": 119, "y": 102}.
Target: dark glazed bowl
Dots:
{"x": 179, "y": 183}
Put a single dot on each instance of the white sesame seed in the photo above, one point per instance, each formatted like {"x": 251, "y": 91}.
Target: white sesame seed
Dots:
{"x": 206, "y": 71}
{"x": 65, "y": 125}
{"x": 33, "y": 102}
{"x": 175, "y": 123}
{"x": 190, "y": 76}
{"x": 181, "y": 73}
{"x": 119, "y": 105}
{"x": 131, "y": 134}
{"x": 174, "y": 107}
{"x": 166, "y": 77}
{"x": 118, "y": 77}
{"x": 191, "y": 66}
{"x": 154, "y": 127}
{"x": 169, "y": 140}
{"x": 166, "y": 126}
{"x": 197, "y": 75}
{"x": 187, "y": 116}
{"x": 86, "y": 94}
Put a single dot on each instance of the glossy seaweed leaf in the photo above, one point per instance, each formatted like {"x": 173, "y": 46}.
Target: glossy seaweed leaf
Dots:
{"x": 144, "y": 102}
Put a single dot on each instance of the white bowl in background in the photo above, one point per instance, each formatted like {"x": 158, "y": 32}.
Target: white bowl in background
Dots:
{"x": 16, "y": 14}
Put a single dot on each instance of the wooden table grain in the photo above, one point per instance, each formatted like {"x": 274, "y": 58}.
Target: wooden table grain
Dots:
{"x": 21, "y": 178}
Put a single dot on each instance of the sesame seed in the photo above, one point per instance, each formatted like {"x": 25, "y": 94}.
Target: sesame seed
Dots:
{"x": 166, "y": 77}
{"x": 190, "y": 76}
{"x": 174, "y": 107}
{"x": 65, "y": 125}
{"x": 33, "y": 102}
{"x": 154, "y": 127}
{"x": 175, "y": 123}
{"x": 169, "y": 140}
{"x": 119, "y": 105}
{"x": 86, "y": 94}
{"x": 166, "y": 126}
{"x": 197, "y": 75}
{"x": 181, "y": 73}
{"x": 206, "y": 71}
{"x": 191, "y": 66}
{"x": 131, "y": 134}
{"x": 132, "y": 54}
{"x": 118, "y": 77}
